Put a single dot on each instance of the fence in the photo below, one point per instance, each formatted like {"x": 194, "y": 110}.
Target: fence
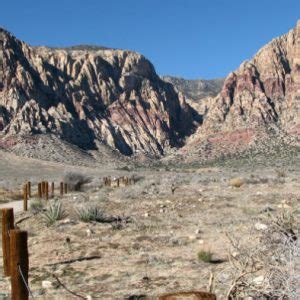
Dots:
{"x": 15, "y": 246}
{"x": 15, "y": 256}
{"x": 43, "y": 191}
{"x": 14, "y": 241}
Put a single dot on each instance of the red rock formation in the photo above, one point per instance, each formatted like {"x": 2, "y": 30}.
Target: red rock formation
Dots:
{"x": 262, "y": 92}
{"x": 89, "y": 94}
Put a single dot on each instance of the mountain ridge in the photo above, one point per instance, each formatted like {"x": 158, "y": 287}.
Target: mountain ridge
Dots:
{"x": 115, "y": 97}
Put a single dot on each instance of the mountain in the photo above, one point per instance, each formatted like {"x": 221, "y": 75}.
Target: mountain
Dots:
{"x": 197, "y": 89}
{"x": 262, "y": 94}
{"x": 95, "y": 97}
{"x": 88, "y": 95}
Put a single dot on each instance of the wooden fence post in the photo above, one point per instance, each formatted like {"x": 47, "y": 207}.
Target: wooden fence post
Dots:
{"x": 196, "y": 295}
{"x": 66, "y": 188}
{"x": 61, "y": 188}
{"x": 39, "y": 190}
{"x": 29, "y": 189}
{"x": 43, "y": 188}
{"x": 25, "y": 197}
{"x": 47, "y": 190}
{"x": 52, "y": 189}
{"x": 7, "y": 225}
{"x": 19, "y": 264}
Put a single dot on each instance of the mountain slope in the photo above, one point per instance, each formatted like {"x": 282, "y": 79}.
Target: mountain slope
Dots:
{"x": 86, "y": 95}
{"x": 264, "y": 92}
{"x": 195, "y": 90}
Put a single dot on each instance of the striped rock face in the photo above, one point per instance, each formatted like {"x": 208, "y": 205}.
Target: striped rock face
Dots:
{"x": 263, "y": 92}
{"x": 296, "y": 80}
{"x": 88, "y": 95}
{"x": 296, "y": 58}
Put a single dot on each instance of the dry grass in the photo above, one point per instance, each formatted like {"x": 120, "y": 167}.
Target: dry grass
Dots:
{"x": 280, "y": 173}
{"x": 267, "y": 270}
{"x": 236, "y": 182}
{"x": 7, "y": 195}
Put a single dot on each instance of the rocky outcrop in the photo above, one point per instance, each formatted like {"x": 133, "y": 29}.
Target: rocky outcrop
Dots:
{"x": 90, "y": 96}
{"x": 264, "y": 92}
{"x": 196, "y": 90}
{"x": 87, "y": 94}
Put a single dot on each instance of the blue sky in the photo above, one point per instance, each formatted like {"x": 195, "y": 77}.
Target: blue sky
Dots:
{"x": 186, "y": 38}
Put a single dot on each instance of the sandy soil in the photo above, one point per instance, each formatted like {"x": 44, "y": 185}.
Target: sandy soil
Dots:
{"x": 155, "y": 251}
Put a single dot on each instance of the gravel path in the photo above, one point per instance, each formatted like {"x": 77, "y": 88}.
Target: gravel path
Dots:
{"x": 16, "y": 205}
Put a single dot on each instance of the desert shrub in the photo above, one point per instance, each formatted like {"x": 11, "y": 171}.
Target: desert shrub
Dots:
{"x": 6, "y": 195}
{"x": 76, "y": 180}
{"x": 257, "y": 180}
{"x": 36, "y": 205}
{"x": 280, "y": 173}
{"x": 205, "y": 256}
{"x": 267, "y": 268}
{"x": 123, "y": 168}
{"x": 91, "y": 214}
{"x": 116, "y": 226}
{"x": 54, "y": 213}
{"x": 236, "y": 182}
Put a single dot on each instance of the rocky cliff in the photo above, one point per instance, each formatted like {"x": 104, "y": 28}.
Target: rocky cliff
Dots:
{"x": 89, "y": 95}
{"x": 264, "y": 92}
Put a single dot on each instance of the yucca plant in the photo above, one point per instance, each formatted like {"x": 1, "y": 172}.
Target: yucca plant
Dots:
{"x": 54, "y": 213}
{"x": 90, "y": 214}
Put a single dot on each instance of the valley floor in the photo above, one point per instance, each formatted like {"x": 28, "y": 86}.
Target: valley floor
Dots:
{"x": 155, "y": 250}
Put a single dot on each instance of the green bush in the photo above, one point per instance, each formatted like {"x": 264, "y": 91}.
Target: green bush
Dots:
{"x": 76, "y": 180}
{"x": 54, "y": 213}
{"x": 205, "y": 256}
{"x": 36, "y": 205}
{"x": 91, "y": 214}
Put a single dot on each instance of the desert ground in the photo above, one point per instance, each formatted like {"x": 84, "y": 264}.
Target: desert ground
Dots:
{"x": 172, "y": 212}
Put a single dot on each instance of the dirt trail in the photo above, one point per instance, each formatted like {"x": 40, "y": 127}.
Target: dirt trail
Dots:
{"x": 16, "y": 205}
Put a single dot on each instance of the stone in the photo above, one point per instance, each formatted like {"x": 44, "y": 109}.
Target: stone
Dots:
{"x": 46, "y": 284}
{"x": 258, "y": 280}
{"x": 260, "y": 226}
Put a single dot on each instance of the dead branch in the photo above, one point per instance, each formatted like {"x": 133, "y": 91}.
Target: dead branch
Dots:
{"x": 68, "y": 290}
{"x": 70, "y": 261}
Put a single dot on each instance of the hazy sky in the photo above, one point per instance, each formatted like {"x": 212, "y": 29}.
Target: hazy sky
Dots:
{"x": 187, "y": 38}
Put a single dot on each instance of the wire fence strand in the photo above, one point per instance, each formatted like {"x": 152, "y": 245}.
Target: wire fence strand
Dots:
{"x": 27, "y": 286}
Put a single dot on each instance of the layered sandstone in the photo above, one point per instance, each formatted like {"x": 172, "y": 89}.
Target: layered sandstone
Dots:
{"x": 264, "y": 92}
{"x": 93, "y": 95}
{"x": 86, "y": 95}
